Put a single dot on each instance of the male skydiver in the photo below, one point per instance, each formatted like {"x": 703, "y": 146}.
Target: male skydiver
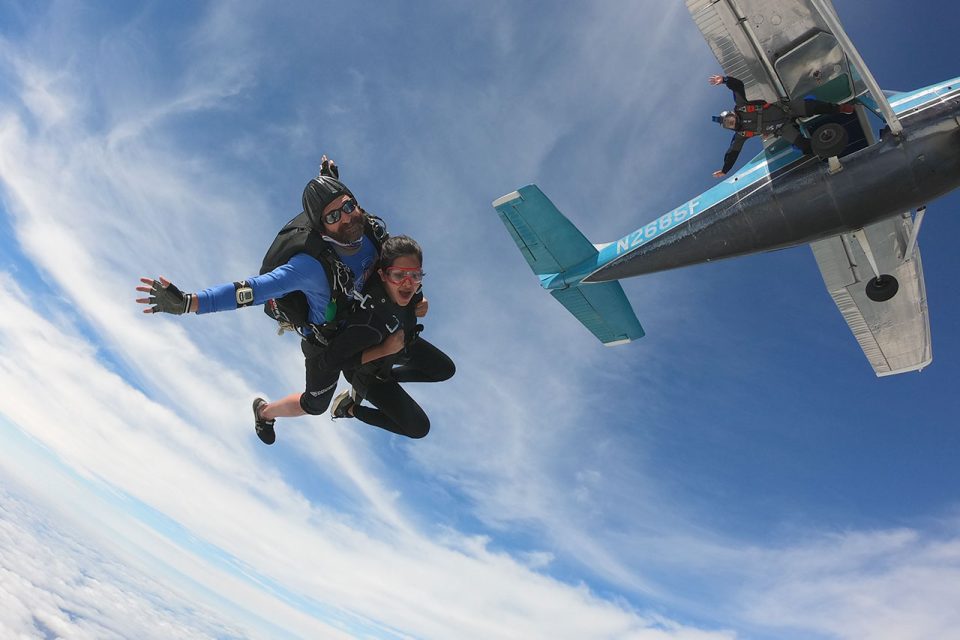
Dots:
{"x": 758, "y": 117}
{"x": 308, "y": 281}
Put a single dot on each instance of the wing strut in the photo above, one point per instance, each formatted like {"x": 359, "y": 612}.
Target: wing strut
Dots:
{"x": 834, "y": 23}
{"x": 861, "y": 237}
{"x": 917, "y": 221}
{"x": 758, "y": 49}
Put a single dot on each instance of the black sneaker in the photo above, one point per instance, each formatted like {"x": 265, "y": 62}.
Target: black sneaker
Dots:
{"x": 264, "y": 427}
{"x": 342, "y": 404}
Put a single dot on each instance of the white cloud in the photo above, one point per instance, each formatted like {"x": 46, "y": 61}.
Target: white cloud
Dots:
{"x": 54, "y": 585}
{"x": 519, "y": 440}
{"x": 894, "y": 584}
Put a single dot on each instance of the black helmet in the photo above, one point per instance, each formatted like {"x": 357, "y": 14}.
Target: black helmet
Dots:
{"x": 320, "y": 192}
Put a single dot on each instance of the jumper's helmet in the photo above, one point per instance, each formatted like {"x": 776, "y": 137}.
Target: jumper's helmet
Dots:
{"x": 320, "y": 192}
{"x": 726, "y": 119}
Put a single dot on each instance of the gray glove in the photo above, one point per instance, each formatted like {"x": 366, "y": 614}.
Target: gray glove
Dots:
{"x": 329, "y": 168}
{"x": 169, "y": 299}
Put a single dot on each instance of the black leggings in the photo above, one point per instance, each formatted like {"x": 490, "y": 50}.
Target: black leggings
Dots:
{"x": 395, "y": 410}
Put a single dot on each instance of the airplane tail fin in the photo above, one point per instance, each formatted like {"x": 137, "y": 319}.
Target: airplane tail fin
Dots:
{"x": 551, "y": 245}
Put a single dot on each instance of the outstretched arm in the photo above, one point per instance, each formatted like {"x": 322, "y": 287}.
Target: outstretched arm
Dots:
{"x": 301, "y": 273}
{"x": 734, "y": 84}
{"x": 730, "y": 157}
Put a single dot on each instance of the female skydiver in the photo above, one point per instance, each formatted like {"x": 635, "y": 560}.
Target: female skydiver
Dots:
{"x": 379, "y": 346}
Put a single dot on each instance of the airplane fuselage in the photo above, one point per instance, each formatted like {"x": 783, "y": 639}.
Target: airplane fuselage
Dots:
{"x": 787, "y": 199}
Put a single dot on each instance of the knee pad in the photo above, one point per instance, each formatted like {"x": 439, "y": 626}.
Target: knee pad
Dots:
{"x": 315, "y": 405}
{"x": 315, "y": 402}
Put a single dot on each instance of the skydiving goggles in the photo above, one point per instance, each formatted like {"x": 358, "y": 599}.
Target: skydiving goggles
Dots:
{"x": 347, "y": 207}
{"x": 397, "y": 275}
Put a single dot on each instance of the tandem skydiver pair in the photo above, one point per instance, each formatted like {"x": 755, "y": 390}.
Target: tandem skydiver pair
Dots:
{"x": 352, "y": 293}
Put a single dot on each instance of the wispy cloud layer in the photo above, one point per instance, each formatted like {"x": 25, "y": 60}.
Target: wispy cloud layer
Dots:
{"x": 541, "y": 505}
{"x": 884, "y": 584}
{"x": 56, "y": 586}
{"x": 281, "y": 539}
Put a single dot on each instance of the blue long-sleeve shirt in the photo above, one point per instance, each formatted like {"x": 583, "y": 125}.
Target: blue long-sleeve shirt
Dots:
{"x": 301, "y": 273}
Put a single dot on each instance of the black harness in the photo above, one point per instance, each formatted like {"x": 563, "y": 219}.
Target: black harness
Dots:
{"x": 292, "y": 311}
{"x": 754, "y": 118}
{"x": 389, "y": 317}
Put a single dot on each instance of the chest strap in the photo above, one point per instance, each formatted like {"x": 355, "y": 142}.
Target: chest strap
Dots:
{"x": 751, "y": 108}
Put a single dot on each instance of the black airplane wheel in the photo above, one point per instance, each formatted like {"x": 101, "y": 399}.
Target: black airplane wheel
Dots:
{"x": 882, "y": 288}
{"x": 829, "y": 140}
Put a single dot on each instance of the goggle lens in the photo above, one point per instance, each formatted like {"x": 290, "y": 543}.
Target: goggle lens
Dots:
{"x": 397, "y": 275}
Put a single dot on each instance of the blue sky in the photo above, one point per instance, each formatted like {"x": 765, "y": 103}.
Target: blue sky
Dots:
{"x": 738, "y": 473}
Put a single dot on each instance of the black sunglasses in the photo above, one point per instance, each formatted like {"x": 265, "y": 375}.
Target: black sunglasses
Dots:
{"x": 347, "y": 207}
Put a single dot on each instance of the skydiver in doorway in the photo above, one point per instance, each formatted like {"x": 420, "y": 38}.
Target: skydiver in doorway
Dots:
{"x": 758, "y": 117}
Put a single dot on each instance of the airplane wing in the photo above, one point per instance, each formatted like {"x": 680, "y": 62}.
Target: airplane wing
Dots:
{"x": 894, "y": 335}
{"x": 787, "y": 49}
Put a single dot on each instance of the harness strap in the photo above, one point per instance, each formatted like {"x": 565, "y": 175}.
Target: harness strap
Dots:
{"x": 751, "y": 108}
{"x": 340, "y": 277}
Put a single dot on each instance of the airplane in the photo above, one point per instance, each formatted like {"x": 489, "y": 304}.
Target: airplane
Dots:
{"x": 859, "y": 202}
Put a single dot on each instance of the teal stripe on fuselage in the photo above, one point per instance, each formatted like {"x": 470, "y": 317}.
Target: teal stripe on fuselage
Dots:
{"x": 908, "y": 100}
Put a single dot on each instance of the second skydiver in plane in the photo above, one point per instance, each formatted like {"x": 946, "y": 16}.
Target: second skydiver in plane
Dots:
{"x": 757, "y": 117}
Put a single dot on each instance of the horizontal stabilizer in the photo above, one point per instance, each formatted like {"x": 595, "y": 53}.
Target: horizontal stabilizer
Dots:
{"x": 603, "y": 308}
{"x": 549, "y": 242}
{"x": 552, "y": 245}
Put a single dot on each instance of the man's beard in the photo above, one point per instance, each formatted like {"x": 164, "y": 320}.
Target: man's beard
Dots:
{"x": 348, "y": 234}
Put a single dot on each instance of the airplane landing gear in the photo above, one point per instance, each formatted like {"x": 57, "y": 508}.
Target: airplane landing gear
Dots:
{"x": 829, "y": 140}
{"x": 882, "y": 288}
